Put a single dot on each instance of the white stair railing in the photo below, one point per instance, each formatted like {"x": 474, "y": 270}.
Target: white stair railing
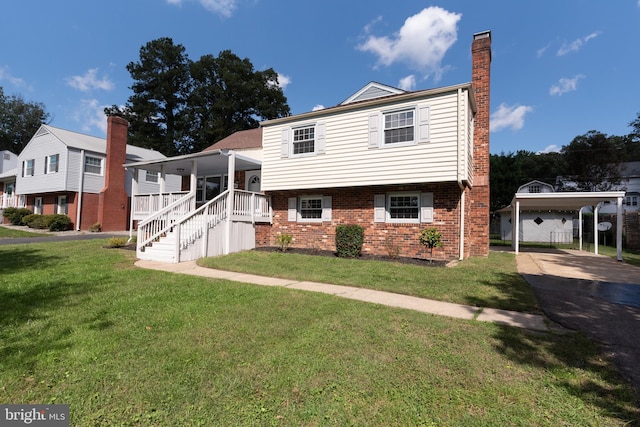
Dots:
{"x": 153, "y": 227}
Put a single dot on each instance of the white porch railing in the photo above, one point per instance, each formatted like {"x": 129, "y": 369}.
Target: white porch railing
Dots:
{"x": 13, "y": 201}
{"x": 160, "y": 223}
{"x": 145, "y": 205}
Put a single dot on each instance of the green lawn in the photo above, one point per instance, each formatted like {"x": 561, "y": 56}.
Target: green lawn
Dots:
{"x": 125, "y": 346}
{"x": 484, "y": 282}
{"x": 12, "y": 233}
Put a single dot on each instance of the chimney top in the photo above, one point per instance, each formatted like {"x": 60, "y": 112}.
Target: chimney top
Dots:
{"x": 482, "y": 35}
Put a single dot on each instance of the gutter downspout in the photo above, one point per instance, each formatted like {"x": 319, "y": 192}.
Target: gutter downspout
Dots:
{"x": 462, "y": 217}
{"x": 80, "y": 191}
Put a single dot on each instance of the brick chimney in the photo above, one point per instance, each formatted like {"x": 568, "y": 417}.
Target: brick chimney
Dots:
{"x": 114, "y": 202}
{"x": 479, "y": 194}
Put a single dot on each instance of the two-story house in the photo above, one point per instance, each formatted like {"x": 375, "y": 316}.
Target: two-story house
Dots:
{"x": 390, "y": 160}
{"x": 8, "y": 171}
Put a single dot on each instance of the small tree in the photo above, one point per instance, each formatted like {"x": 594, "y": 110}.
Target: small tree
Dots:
{"x": 431, "y": 238}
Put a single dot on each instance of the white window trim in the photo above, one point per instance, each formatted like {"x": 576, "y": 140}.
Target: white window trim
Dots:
{"x": 37, "y": 205}
{"x": 25, "y": 167}
{"x": 60, "y": 206}
{"x": 294, "y": 209}
{"x": 84, "y": 167}
{"x": 47, "y": 164}
{"x": 425, "y": 208}
{"x": 152, "y": 177}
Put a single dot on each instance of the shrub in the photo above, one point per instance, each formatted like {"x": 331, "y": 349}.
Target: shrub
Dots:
{"x": 15, "y": 215}
{"x": 349, "y": 239}
{"x": 117, "y": 242}
{"x": 393, "y": 250}
{"x": 284, "y": 240}
{"x": 35, "y": 221}
{"x": 431, "y": 238}
{"x": 59, "y": 222}
{"x": 95, "y": 228}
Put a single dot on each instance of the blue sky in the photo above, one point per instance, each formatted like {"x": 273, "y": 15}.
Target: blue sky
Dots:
{"x": 560, "y": 68}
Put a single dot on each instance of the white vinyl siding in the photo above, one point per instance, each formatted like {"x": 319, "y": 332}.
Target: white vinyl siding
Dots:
{"x": 316, "y": 208}
{"x": 348, "y": 159}
{"x": 46, "y": 152}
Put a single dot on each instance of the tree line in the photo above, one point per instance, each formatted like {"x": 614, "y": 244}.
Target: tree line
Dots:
{"x": 590, "y": 162}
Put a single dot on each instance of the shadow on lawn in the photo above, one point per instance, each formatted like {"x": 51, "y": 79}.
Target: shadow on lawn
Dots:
{"x": 26, "y": 328}
{"x": 557, "y": 352}
{"x": 516, "y": 293}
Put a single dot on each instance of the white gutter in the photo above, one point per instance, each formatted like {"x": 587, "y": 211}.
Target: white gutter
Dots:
{"x": 80, "y": 190}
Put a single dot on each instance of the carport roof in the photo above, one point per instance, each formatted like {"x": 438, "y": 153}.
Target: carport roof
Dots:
{"x": 208, "y": 162}
{"x": 564, "y": 200}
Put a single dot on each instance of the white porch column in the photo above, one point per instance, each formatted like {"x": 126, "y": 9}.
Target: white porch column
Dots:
{"x": 134, "y": 193}
{"x": 515, "y": 229}
{"x": 231, "y": 168}
{"x": 193, "y": 183}
{"x": 580, "y": 229}
{"x": 595, "y": 228}
{"x": 619, "y": 226}
{"x": 162, "y": 178}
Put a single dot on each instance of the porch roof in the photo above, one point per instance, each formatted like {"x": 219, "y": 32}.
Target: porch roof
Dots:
{"x": 564, "y": 200}
{"x": 208, "y": 162}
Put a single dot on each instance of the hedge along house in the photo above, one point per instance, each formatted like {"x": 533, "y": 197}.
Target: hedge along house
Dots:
{"x": 394, "y": 162}
{"x": 82, "y": 176}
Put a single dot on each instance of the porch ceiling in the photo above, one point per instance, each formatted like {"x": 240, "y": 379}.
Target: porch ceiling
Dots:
{"x": 208, "y": 163}
{"x": 564, "y": 201}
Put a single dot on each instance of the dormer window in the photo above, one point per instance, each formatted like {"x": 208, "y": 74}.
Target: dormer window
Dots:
{"x": 535, "y": 188}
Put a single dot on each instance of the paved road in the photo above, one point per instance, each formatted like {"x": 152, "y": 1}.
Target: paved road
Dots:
{"x": 594, "y": 294}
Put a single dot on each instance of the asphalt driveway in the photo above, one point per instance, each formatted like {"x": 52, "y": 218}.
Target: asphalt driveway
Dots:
{"x": 591, "y": 293}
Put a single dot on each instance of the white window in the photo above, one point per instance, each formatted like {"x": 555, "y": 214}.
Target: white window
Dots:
{"x": 93, "y": 165}
{"x": 61, "y": 205}
{"x": 151, "y": 176}
{"x": 535, "y": 188}
{"x": 405, "y": 207}
{"x": 51, "y": 163}
{"x": 28, "y": 167}
{"x": 399, "y": 127}
{"x": 303, "y": 141}
{"x": 631, "y": 200}
{"x": 310, "y": 209}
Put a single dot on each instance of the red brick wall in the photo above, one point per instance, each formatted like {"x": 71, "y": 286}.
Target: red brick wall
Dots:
{"x": 356, "y": 206}
{"x": 478, "y": 197}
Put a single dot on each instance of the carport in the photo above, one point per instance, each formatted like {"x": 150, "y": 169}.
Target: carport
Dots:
{"x": 567, "y": 201}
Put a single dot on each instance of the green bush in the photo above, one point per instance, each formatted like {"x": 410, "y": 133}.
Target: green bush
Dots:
{"x": 58, "y": 222}
{"x": 431, "y": 238}
{"x": 15, "y": 215}
{"x": 349, "y": 239}
{"x": 284, "y": 240}
{"x": 95, "y": 228}
{"x": 117, "y": 242}
{"x": 35, "y": 221}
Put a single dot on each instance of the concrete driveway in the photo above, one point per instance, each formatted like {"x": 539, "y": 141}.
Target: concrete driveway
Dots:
{"x": 591, "y": 293}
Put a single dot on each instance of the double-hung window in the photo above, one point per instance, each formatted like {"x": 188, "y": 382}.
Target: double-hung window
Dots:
{"x": 403, "y": 207}
{"x": 310, "y": 209}
{"x": 304, "y": 140}
{"x": 28, "y": 167}
{"x": 51, "y": 163}
{"x": 399, "y": 127}
{"x": 93, "y": 165}
{"x": 151, "y": 176}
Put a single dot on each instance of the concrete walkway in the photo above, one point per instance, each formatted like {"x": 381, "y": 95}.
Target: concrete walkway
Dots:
{"x": 459, "y": 311}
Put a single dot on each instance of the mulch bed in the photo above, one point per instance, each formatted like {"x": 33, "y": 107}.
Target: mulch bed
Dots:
{"x": 363, "y": 257}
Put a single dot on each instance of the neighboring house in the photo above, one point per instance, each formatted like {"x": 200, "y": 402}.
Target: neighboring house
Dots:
{"x": 82, "y": 176}
{"x": 546, "y": 226}
{"x": 392, "y": 161}
{"x": 8, "y": 172}
{"x": 630, "y": 184}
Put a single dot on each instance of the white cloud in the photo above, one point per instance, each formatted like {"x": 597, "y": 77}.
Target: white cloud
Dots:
{"x": 283, "y": 81}
{"x": 5, "y": 75}
{"x": 421, "y": 43}
{"x": 90, "y": 115}
{"x": 542, "y": 50}
{"x": 318, "y": 107}
{"x": 565, "y": 85}
{"x": 407, "y": 83}
{"x": 576, "y": 45}
{"x": 222, "y": 7}
{"x": 509, "y": 116}
{"x": 90, "y": 81}
{"x": 553, "y": 148}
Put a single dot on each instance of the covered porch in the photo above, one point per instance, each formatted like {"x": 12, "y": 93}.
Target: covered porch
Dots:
{"x": 214, "y": 212}
{"x": 568, "y": 201}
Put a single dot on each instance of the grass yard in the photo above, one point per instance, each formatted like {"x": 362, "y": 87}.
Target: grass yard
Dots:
{"x": 6, "y": 232}
{"x": 125, "y": 346}
{"x": 483, "y": 282}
